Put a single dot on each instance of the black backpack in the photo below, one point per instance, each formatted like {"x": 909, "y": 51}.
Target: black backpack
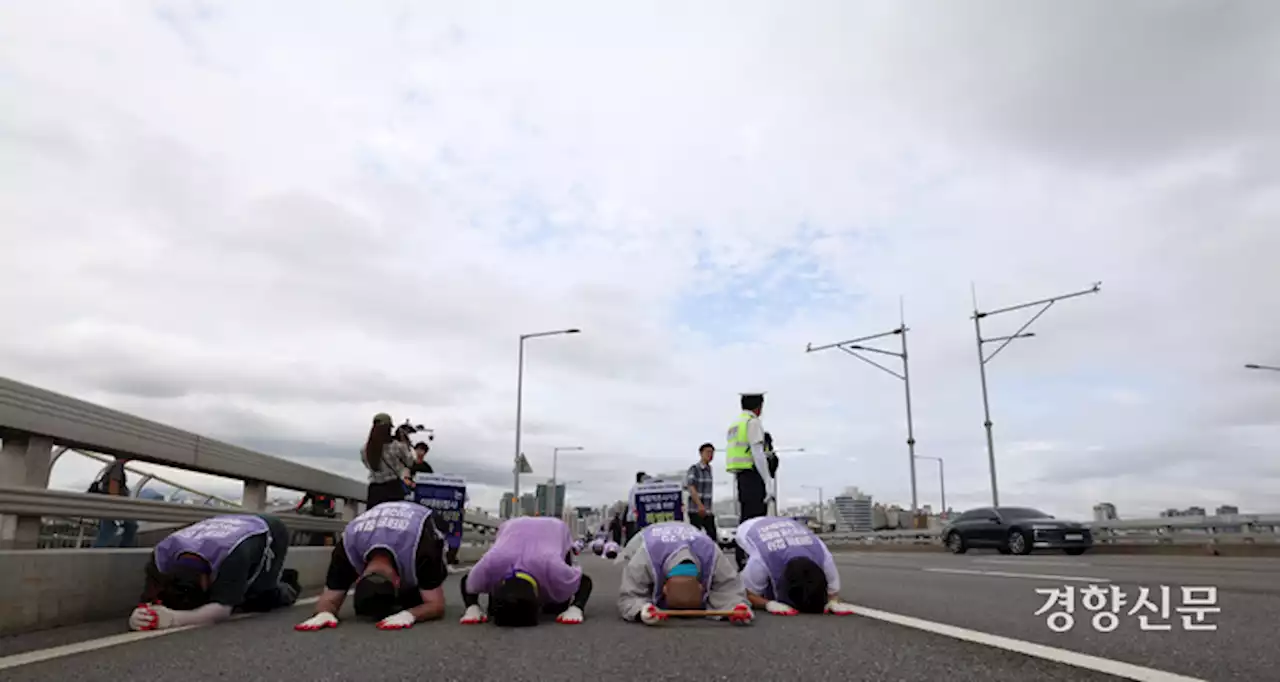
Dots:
{"x": 101, "y": 487}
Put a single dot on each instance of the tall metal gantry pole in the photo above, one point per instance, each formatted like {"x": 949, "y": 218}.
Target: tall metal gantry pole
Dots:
{"x": 852, "y": 347}
{"x": 983, "y": 359}
{"x": 1269, "y": 368}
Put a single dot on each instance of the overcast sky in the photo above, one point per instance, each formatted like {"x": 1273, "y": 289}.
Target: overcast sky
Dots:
{"x": 265, "y": 222}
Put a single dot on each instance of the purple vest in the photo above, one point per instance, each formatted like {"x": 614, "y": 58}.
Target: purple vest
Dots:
{"x": 212, "y": 540}
{"x": 392, "y": 526}
{"x": 661, "y": 540}
{"x": 779, "y": 540}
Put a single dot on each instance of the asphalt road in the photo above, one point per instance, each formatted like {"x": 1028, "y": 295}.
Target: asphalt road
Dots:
{"x": 984, "y": 593}
{"x": 996, "y": 594}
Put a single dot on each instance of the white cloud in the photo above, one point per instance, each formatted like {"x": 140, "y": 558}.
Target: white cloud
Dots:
{"x": 267, "y": 222}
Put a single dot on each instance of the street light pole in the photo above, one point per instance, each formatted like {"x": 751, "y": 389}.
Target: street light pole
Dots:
{"x": 852, "y": 347}
{"x": 555, "y": 459}
{"x": 822, "y": 501}
{"x": 1045, "y": 304}
{"x": 515, "y": 487}
{"x": 775, "y": 478}
{"x": 942, "y": 482}
{"x": 1269, "y": 368}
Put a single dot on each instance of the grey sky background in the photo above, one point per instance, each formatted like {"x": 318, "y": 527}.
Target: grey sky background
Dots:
{"x": 266, "y": 222}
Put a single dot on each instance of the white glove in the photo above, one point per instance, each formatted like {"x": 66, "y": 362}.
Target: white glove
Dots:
{"x": 777, "y": 608}
{"x": 320, "y": 621}
{"x": 474, "y": 614}
{"x": 571, "y": 616}
{"x": 399, "y": 621}
{"x": 838, "y": 608}
{"x": 151, "y": 617}
{"x": 649, "y": 615}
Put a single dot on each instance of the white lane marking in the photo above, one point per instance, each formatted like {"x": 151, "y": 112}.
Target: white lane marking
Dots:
{"x": 1032, "y": 576}
{"x": 1048, "y": 653}
{"x": 1032, "y": 562}
{"x": 28, "y": 657}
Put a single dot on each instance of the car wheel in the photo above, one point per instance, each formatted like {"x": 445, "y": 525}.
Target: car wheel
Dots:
{"x": 955, "y": 543}
{"x": 1018, "y": 543}
{"x": 1075, "y": 551}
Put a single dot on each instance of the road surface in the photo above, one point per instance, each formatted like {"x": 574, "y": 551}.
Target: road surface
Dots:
{"x": 907, "y": 600}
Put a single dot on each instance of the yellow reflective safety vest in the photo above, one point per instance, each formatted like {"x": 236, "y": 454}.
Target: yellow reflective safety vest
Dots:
{"x": 738, "y": 453}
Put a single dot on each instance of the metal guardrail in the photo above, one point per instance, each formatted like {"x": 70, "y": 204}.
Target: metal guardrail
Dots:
{"x": 78, "y": 424}
{"x": 144, "y": 477}
{"x": 63, "y": 504}
{"x": 1181, "y": 530}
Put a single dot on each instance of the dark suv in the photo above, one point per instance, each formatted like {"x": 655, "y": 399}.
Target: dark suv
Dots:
{"x": 1014, "y": 530}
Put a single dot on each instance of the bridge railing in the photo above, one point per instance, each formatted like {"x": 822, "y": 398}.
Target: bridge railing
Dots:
{"x": 34, "y": 421}
{"x": 1180, "y": 530}
{"x": 29, "y": 502}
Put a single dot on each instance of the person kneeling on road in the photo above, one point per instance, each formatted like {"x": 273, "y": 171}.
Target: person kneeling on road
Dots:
{"x": 597, "y": 546}
{"x": 578, "y": 546}
{"x": 789, "y": 570}
{"x": 676, "y": 566}
{"x": 200, "y": 574}
{"x": 527, "y": 572}
{"x": 611, "y": 550}
{"x": 394, "y": 555}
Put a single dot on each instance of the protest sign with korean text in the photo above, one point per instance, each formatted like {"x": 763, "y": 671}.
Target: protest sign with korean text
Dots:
{"x": 658, "y": 502}
{"x": 446, "y": 496}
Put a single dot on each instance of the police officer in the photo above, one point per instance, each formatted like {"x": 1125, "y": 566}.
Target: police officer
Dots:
{"x": 747, "y": 459}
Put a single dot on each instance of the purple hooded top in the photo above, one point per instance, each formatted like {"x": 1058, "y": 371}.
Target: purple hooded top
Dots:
{"x": 535, "y": 546}
{"x": 661, "y": 540}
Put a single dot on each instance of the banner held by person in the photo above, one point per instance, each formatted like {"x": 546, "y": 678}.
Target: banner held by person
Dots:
{"x": 446, "y": 496}
{"x": 659, "y": 502}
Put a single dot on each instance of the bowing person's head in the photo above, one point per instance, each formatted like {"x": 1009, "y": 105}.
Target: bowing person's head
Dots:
{"x": 682, "y": 589}
{"x": 186, "y": 587}
{"x": 804, "y": 585}
{"x": 377, "y": 591}
{"x": 514, "y": 602}
{"x": 611, "y": 550}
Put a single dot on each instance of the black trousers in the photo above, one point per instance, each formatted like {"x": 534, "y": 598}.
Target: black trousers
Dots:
{"x": 387, "y": 491}
{"x": 751, "y": 496}
{"x": 705, "y": 522}
{"x": 273, "y": 588}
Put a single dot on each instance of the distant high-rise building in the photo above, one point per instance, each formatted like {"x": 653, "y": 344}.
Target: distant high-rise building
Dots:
{"x": 1105, "y": 511}
{"x": 1189, "y": 511}
{"x": 507, "y": 505}
{"x": 528, "y": 504}
{"x": 1227, "y": 510}
{"x": 550, "y": 500}
{"x": 854, "y": 512}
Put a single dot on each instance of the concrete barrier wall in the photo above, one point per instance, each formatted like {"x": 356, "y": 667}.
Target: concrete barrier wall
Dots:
{"x": 47, "y": 588}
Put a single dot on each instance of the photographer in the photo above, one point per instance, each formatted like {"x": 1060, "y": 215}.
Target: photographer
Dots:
{"x": 389, "y": 461}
